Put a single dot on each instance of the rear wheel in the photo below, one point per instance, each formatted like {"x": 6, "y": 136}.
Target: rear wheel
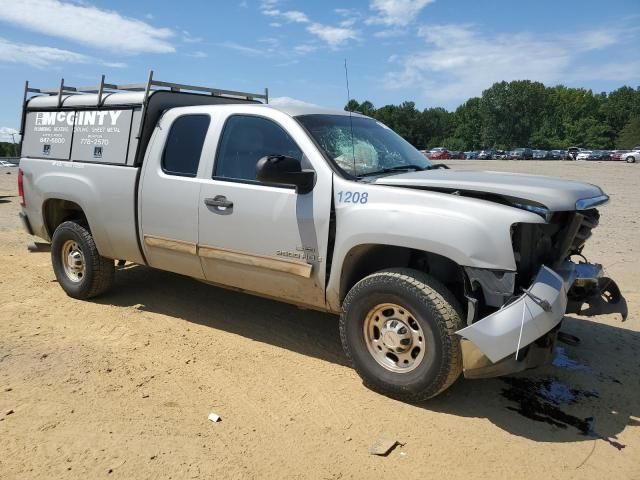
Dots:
{"x": 80, "y": 270}
{"x": 398, "y": 329}
{"x": 631, "y": 159}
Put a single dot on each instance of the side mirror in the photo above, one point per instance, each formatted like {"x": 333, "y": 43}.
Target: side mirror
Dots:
{"x": 285, "y": 171}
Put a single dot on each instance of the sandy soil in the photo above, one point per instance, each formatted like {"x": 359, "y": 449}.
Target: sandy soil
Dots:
{"x": 121, "y": 387}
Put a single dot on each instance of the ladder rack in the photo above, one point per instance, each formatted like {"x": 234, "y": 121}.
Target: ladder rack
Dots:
{"x": 150, "y": 86}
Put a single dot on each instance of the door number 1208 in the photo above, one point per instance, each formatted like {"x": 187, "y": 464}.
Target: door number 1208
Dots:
{"x": 353, "y": 197}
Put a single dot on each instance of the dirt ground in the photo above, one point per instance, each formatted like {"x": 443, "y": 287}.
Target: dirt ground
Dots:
{"x": 121, "y": 387}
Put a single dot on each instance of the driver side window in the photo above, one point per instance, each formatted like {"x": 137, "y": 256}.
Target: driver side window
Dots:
{"x": 245, "y": 140}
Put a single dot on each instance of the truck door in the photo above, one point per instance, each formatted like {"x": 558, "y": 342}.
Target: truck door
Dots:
{"x": 169, "y": 194}
{"x": 262, "y": 238}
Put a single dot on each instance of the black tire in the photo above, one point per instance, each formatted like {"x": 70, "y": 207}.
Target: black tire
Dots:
{"x": 99, "y": 271}
{"x": 631, "y": 159}
{"x": 438, "y": 314}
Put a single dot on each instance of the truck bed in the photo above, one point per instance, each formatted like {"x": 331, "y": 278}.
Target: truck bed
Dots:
{"x": 106, "y": 193}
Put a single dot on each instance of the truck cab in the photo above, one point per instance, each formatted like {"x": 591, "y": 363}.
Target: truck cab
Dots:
{"x": 223, "y": 224}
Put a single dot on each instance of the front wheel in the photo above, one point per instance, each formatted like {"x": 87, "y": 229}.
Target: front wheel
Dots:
{"x": 80, "y": 270}
{"x": 398, "y": 329}
{"x": 631, "y": 159}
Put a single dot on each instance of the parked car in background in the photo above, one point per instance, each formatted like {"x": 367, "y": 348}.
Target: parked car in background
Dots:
{"x": 521, "y": 154}
{"x": 583, "y": 155}
{"x": 572, "y": 152}
{"x": 4, "y": 163}
{"x": 618, "y": 155}
{"x": 599, "y": 155}
{"x": 439, "y": 153}
{"x": 557, "y": 154}
{"x": 471, "y": 155}
{"x": 500, "y": 155}
{"x": 486, "y": 155}
{"x": 633, "y": 156}
{"x": 456, "y": 155}
{"x": 540, "y": 154}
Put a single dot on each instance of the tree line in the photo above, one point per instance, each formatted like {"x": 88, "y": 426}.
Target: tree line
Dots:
{"x": 520, "y": 113}
{"x": 8, "y": 149}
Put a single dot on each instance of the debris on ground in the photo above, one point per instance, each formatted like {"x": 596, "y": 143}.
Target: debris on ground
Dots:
{"x": 568, "y": 339}
{"x": 214, "y": 417}
{"x": 383, "y": 446}
{"x": 38, "y": 247}
{"x": 9, "y": 412}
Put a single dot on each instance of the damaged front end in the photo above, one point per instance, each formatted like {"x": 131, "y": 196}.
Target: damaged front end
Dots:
{"x": 514, "y": 317}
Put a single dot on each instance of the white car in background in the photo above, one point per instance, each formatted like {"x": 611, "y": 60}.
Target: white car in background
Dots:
{"x": 4, "y": 163}
{"x": 583, "y": 155}
{"x": 633, "y": 156}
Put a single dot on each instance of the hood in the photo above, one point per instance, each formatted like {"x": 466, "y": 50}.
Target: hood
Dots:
{"x": 554, "y": 193}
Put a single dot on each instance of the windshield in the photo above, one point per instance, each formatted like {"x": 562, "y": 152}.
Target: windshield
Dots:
{"x": 371, "y": 148}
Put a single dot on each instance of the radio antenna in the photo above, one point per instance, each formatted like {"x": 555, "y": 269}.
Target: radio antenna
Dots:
{"x": 353, "y": 148}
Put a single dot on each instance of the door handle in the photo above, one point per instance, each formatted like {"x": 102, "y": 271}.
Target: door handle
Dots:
{"x": 219, "y": 201}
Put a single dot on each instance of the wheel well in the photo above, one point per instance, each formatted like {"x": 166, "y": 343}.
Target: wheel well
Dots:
{"x": 364, "y": 260}
{"x": 55, "y": 211}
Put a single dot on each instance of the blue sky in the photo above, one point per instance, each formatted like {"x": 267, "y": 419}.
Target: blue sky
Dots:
{"x": 435, "y": 52}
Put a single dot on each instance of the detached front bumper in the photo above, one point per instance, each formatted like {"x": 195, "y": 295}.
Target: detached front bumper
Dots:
{"x": 522, "y": 333}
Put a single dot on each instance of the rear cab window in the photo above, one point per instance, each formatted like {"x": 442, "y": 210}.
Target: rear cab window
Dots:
{"x": 183, "y": 147}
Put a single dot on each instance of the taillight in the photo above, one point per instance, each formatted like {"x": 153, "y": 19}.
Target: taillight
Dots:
{"x": 21, "y": 187}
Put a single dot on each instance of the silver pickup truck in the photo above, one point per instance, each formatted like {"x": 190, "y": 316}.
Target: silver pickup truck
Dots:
{"x": 433, "y": 271}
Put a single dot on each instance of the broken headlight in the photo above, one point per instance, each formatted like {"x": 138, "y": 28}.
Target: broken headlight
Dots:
{"x": 544, "y": 212}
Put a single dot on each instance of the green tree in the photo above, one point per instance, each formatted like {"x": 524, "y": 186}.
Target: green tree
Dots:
{"x": 630, "y": 135}
{"x": 366, "y": 107}
{"x": 518, "y": 114}
{"x": 436, "y": 127}
{"x": 511, "y": 112}
{"x": 352, "y": 106}
{"x": 466, "y": 124}
{"x": 620, "y": 105}
{"x": 9, "y": 149}
{"x": 589, "y": 132}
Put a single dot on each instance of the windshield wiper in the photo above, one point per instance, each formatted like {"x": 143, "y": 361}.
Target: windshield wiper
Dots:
{"x": 435, "y": 166}
{"x": 397, "y": 168}
{"x": 417, "y": 168}
{"x": 400, "y": 168}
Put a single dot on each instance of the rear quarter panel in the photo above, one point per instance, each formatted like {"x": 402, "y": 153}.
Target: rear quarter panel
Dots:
{"x": 106, "y": 193}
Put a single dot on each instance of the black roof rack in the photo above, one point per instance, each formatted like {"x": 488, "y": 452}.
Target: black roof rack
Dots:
{"x": 149, "y": 86}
